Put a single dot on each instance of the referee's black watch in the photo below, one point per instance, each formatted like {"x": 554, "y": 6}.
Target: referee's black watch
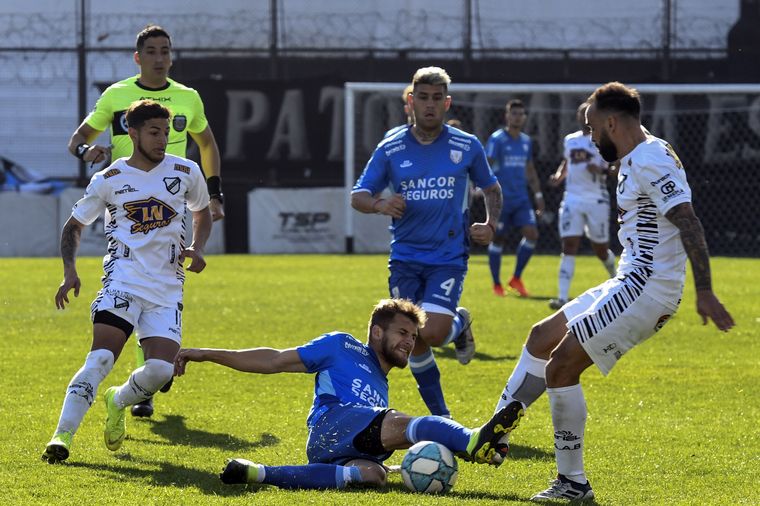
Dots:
{"x": 81, "y": 149}
{"x": 215, "y": 188}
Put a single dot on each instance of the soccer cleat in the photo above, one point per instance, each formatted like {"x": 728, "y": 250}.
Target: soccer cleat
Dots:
{"x": 498, "y": 290}
{"x": 143, "y": 408}
{"x": 464, "y": 343}
{"x": 516, "y": 284}
{"x": 57, "y": 450}
{"x": 557, "y": 303}
{"x": 485, "y": 446}
{"x": 167, "y": 387}
{"x": 240, "y": 471}
{"x": 564, "y": 489}
{"x": 116, "y": 423}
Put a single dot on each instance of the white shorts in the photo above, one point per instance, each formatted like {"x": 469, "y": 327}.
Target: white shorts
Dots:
{"x": 612, "y": 318}
{"x": 591, "y": 218}
{"x": 148, "y": 319}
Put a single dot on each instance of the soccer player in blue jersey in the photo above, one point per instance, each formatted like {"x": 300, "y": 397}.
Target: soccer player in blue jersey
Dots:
{"x": 351, "y": 429}
{"x": 407, "y": 111}
{"x": 428, "y": 168}
{"x": 510, "y": 152}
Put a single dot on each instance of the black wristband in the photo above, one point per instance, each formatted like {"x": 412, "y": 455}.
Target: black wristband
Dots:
{"x": 214, "y": 184}
{"x": 81, "y": 149}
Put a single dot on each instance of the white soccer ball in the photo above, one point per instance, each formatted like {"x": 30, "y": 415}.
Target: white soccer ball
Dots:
{"x": 430, "y": 468}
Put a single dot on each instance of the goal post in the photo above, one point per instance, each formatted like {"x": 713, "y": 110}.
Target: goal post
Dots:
{"x": 715, "y": 129}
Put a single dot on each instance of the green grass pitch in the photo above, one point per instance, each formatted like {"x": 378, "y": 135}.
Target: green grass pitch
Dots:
{"x": 676, "y": 422}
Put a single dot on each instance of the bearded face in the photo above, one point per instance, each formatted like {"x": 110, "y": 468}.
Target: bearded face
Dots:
{"x": 607, "y": 148}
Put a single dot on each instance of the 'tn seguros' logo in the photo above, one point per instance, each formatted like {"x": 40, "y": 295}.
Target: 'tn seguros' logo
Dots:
{"x": 149, "y": 214}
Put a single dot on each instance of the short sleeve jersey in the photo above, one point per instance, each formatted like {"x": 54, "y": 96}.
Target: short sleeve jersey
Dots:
{"x": 348, "y": 372}
{"x": 580, "y": 183}
{"x": 434, "y": 180}
{"x": 510, "y": 156}
{"x": 145, "y": 231}
{"x": 652, "y": 181}
{"x": 184, "y": 103}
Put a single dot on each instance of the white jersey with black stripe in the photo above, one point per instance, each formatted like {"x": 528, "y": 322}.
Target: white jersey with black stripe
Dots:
{"x": 145, "y": 226}
{"x": 582, "y": 185}
{"x": 651, "y": 181}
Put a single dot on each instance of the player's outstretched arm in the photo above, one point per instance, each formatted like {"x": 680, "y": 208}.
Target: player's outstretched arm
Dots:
{"x": 70, "y": 236}
{"x": 559, "y": 175}
{"x": 693, "y": 239}
{"x": 258, "y": 360}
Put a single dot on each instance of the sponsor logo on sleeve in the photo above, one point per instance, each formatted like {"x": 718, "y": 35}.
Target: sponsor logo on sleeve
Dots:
{"x": 111, "y": 173}
{"x": 661, "y": 321}
{"x": 182, "y": 168}
{"x": 179, "y": 122}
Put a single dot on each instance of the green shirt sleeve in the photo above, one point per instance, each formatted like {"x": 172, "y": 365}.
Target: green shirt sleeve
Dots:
{"x": 199, "y": 122}
{"x": 101, "y": 116}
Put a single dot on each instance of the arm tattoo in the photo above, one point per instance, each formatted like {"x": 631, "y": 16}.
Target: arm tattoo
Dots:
{"x": 70, "y": 243}
{"x": 693, "y": 239}
{"x": 493, "y": 201}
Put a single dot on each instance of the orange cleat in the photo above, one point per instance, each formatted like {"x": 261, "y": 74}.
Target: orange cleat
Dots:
{"x": 498, "y": 290}
{"x": 516, "y": 284}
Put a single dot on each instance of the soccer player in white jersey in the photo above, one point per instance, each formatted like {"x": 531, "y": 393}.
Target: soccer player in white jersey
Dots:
{"x": 585, "y": 205}
{"x": 658, "y": 230}
{"x": 428, "y": 167}
{"x": 147, "y": 196}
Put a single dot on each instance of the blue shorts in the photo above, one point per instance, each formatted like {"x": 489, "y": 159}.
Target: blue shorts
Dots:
{"x": 515, "y": 214}
{"x": 427, "y": 285}
{"x": 333, "y": 437}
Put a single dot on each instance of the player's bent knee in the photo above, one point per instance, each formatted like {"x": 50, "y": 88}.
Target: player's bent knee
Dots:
{"x": 156, "y": 374}
{"x": 373, "y": 475}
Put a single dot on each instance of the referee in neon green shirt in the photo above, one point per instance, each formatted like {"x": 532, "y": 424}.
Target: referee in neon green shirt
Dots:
{"x": 154, "y": 57}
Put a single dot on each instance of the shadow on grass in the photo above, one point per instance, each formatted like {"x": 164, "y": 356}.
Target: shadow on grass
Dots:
{"x": 448, "y": 352}
{"x": 174, "y": 432}
{"x": 163, "y": 474}
{"x": 519, "y": 452}
{"x": 483, "y": 496}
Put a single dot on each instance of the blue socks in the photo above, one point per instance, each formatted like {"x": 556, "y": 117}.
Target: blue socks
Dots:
{"x": 494, "y": 262}
{"x": 428, "y": 378}
{"x": 524, "y": 252}
{"x": 449, "y": 433}
{"x": 456, "y": 328}
{"x": 311, "y": 476}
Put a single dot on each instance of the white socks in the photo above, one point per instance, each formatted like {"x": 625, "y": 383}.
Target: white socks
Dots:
{"x": 144, "y": 382}
{"x": 609, "y": 263}
{"x": 569, "y": 418}
{"x": 527, "y": 382}
{"x": 81, "y": 391}
{"x": 566, "y": 273}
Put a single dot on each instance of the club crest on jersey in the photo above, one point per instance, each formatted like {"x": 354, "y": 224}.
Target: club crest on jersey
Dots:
{"x": 455, "y": 156}
{"x": 149, "y": 214}
{"x": 661, "y": 321}
{"x": 172, "y": 184}
{"x": 179, "y": 122}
